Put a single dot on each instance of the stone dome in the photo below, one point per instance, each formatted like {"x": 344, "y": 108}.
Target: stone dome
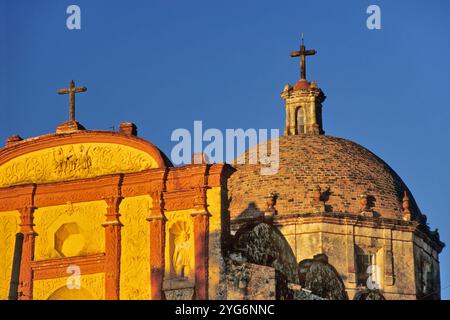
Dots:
{"x": 344, "y": 170}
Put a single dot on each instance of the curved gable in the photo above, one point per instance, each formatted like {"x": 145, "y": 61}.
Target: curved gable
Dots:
{"x": 74, "y": 156}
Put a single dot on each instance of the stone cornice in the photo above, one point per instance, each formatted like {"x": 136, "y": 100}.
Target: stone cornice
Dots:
{"x": 180, "y": 187}
{"x": 89, "y": 136}
{"x": 346, "y": 219}
{"x": 56, "y": 268}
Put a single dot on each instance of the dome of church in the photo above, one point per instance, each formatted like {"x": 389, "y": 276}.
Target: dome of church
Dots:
{"x": 344, "y": 171}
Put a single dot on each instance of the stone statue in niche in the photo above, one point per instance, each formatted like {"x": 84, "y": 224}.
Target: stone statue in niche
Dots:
{"x": 181, "y": 258}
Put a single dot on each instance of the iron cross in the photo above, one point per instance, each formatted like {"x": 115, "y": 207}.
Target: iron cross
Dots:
{"x": 302, "y": 54}
{"x": 71, "y": 91}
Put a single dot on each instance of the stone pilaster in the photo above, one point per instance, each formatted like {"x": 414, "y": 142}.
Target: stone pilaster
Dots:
{"x": 350, "y": 253}
{"x": 388, "y": 258}
{"x": 26, "y": 273}
{"x": 112, "y": 227}
{"x": 157, "y": 233}
{"x": 201, "y": 238}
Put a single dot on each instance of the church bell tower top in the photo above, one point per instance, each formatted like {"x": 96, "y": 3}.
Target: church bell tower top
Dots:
{"x": 303, "y": 100}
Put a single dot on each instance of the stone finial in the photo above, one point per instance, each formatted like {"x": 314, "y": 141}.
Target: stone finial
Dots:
{"x": 318, "y": 202}
{"x": 423, "y": 219}
{"x": 317, "y": 194}
{"x": 13, "y": 140}
{"x": 366, "y": 205}
{"x": 287, "y": 87}
{"x": 405, "y": 206}
{"x": 435, "y": 234}
{"x": 364, "y": 202}
{"x": 405, "y": 201}
{"x": 271, "y": 200}
{"x": 128, "y": 128}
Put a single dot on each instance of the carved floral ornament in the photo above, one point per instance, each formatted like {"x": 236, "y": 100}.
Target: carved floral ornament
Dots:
{"x": 74, "y": 161}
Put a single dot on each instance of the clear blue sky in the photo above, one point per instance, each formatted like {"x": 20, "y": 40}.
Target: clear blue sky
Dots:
{"x": 164, "y": 64}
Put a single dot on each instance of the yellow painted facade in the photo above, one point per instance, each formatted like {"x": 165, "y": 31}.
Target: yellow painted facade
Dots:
{"x": 214, "y": 200}
{"x": 9, "y": 226}
{"x": 78, "y": 229}
{"x": 92, "y": 287}
{"x": 134, "y": 262}
{"x": 70, "y": 230}
{"x": 74, "y": 161}
{"x": 58, "y": 238}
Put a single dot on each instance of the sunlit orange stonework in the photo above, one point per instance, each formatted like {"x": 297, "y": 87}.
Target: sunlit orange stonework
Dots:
{"x": 103, "y": 201}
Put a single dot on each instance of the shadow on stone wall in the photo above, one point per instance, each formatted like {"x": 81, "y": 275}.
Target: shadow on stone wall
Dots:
{"x": 258, "y": 243}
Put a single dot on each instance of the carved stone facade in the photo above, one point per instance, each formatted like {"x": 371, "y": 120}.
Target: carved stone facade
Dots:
{"x": 111, "y": 205}
{"x": 213, "y": 231}
{"x": 74, "y": 161}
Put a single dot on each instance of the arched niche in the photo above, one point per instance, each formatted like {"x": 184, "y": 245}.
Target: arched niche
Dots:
{"x": 321, "y": 278}
{"x": 64, "y": 293}
{"x": 300, "y": 119}
{"x": 264, "y": 244}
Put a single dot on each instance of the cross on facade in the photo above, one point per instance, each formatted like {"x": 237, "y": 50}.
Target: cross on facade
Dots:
{"x": 71, "y": 91}
{"x": 302, "y": 54}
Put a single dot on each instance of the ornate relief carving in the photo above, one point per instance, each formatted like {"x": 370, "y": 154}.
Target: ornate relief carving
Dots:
{"x": 89, "y": 216}
{"x": 93, "y": 283}
{"x": 178, "y": 289}
{"x": 9, "y": 225}
{"x": 75, "y": 161}
{"x": 134, "y": 267}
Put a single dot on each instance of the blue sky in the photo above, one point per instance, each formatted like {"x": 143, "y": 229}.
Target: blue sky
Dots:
{"x": 165, "y": 64}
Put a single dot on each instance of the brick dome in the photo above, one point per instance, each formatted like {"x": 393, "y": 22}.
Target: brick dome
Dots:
{"x": 344, "y": 170}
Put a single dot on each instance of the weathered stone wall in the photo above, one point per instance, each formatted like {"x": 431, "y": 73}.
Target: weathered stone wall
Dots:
{"x": 427, "y": 271}
{"x": 390, "y": 241}
{"x": 339, "y": 242}
{"x": 248, "y": 281}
